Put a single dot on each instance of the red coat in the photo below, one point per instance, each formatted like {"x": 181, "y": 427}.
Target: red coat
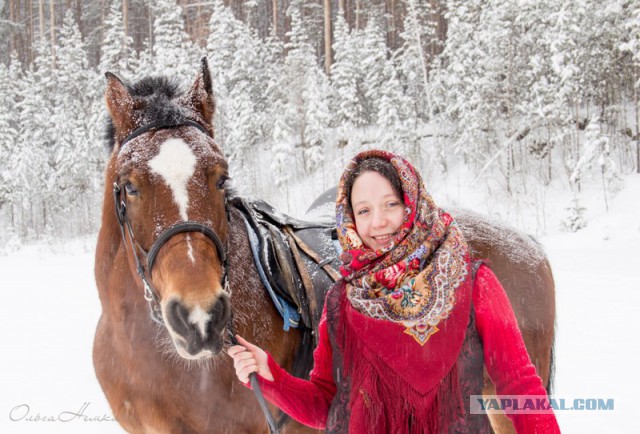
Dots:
{"x": 505, "y": 357}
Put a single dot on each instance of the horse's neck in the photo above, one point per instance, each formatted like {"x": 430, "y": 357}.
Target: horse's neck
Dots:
{"x": 255, "y": 317}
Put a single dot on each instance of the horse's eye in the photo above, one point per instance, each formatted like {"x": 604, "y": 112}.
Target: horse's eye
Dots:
{"x": 130, "y": 189}
{"x": 222, "y": 182}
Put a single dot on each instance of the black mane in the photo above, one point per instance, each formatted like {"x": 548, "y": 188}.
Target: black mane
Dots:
{"x": 157, "y": 94}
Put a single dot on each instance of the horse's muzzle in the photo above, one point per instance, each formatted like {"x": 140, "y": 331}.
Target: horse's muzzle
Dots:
{"x": 198, "y": 333}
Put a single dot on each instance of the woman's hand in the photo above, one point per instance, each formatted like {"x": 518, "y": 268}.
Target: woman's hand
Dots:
{"x": 248, "y": 358}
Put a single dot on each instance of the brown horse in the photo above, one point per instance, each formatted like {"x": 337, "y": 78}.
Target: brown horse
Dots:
{"x": 169, "y": 245}
{"x": 173, "y": 378}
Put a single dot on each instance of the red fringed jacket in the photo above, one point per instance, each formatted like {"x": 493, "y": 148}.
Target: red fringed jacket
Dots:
{"x": 505, "y": 357}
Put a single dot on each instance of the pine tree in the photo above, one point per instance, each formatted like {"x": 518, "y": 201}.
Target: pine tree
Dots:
{"x": 8, "y": 133}
{"x": 282, "y": 150}
{"x": 317, "y": 118}
{"x": 71, "y": 151}
{"x": 225, "y": 37}
{"x": 597, "y": 153}
{"x": 300, "y": 62}
{"x": 173, "y": 51}
{"x": 574, "y": 220}
{"x": 373, "y": 60}
{"x": 271, "y": 60}
{"x": 395, "y": 116}
{"x": 30, "y": 160}
{"x": 412, "y": 62}
{"x": 235, "y": 63}
{"x": 117, "y": 51}
{"x": 344, "y": 78}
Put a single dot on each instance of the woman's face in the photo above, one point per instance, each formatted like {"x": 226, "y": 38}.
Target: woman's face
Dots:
{"x": 377, "y": 209}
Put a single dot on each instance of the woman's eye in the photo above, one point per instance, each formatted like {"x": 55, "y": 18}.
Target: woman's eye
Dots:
{"x": 362, "y": 212}
{"x": 130, "y": 189}
{"x": 221, "y": 184}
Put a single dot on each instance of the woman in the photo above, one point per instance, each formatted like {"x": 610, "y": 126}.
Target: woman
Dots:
{"x": 405, "y": 332}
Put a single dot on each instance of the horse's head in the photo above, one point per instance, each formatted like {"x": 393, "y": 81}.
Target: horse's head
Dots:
{"x": 169, "y": 188}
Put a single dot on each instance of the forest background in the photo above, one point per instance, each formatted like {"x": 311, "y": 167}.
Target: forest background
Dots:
{"x": 526, "y": 101}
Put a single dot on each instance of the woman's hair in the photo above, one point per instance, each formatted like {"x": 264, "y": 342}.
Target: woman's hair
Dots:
{"x": 378, "y": 165}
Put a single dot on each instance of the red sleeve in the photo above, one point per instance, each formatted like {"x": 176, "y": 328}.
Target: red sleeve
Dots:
{"x": 505, "y": 354}
{"x": 307, "y": 401}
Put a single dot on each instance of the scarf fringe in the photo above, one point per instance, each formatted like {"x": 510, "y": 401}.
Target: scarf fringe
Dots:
{"x": 390, "y": 404}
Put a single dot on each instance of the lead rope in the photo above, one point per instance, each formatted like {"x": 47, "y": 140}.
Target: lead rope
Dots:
{"x": 253, "y": 379}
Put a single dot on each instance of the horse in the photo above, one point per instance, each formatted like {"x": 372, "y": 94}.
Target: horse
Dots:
{"x": 175, "y": 272}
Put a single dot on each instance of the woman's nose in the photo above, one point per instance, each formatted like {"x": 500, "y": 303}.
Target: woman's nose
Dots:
{"x": 379, "y": 219}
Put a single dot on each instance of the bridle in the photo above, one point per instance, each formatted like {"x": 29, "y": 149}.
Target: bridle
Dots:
{"x": 150, "y": 293}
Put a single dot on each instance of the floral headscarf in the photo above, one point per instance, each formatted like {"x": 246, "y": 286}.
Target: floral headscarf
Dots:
{"x": 412, "y": 281}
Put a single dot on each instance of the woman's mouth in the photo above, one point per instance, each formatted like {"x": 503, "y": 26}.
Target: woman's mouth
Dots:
{"x": 384, "y": 238}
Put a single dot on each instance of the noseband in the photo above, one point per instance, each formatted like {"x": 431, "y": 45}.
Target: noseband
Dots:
{"x": 150, "y": 293}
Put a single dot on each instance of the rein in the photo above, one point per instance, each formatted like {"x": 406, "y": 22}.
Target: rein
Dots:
{"x": 150, "y": 293}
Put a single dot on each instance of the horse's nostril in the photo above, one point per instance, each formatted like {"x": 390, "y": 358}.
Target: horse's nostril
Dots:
{"x": 179, "y": 318}
{"x": 220, "y": 313}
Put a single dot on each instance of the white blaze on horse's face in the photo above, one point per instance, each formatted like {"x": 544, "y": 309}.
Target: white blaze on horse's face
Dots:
{"x": 175, "y": 164}
{"x": 200, "y": 318}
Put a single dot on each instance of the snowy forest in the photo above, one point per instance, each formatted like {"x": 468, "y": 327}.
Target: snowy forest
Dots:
{"x": 526, "y": 97}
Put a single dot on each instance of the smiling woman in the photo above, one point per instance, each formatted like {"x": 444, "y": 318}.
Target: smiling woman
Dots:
{"x": 405, "y": 332}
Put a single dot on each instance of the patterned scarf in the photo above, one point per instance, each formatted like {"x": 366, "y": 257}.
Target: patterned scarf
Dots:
{"x": 412, "y": 281}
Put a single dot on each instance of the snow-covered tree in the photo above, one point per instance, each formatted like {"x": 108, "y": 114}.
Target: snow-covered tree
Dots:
{"x": 30, "y": 160}
{"x": 413, "y": 64}
{"x": 597, "y": 153}
{"x": 226, "y": 34}
{"x": 72, "y": 151}
{"x": 8, "y": 132}
{"x": 117, "y": 52}
{"x": 271, "y": 59}
{"x": 574, "y": 220}
{"x": 344, "y": 78}
{"x": 317, "y": 118}
{"x": 174, "y": 53}
{"x": 282, "y": 150}
{"x": 373, "y": 61}
{"x": 235, "y": 64}
{"x": 395, "y": 117}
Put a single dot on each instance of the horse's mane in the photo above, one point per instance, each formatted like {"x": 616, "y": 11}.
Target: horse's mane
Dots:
{"x": 157, "y": 93}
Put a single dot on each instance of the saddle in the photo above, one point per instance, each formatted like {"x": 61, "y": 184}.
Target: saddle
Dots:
{"x": 296, "y": 260}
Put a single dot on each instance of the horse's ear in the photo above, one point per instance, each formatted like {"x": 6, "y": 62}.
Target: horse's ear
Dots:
{"x": 120, "y": 104}
{"x": 201, "y": 93}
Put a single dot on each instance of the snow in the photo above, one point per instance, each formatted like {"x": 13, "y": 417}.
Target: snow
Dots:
{"x": 51, "y": 307}
{"x": 50, "y": 310}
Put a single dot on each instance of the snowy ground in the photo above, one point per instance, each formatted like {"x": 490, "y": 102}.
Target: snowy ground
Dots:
{"x": 51, "y": 307}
